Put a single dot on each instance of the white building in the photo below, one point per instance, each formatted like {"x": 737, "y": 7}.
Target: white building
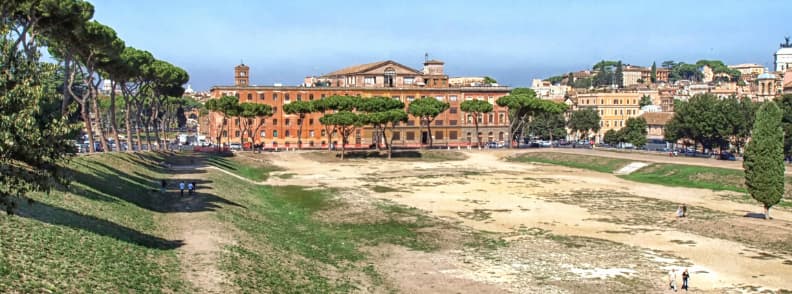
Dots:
{"x": 545, "y": 90}
{"x": 783, "y": 57}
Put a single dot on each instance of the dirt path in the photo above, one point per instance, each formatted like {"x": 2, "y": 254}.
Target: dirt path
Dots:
{"x": 192, "y": 220}
{"x": 509, "y": 196}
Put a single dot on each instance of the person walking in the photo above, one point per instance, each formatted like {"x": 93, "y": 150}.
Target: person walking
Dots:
{"x": 181, "y": 188}
{"x": 163, "y": 186}
{"x": 672, "y": 280}
{"x": 194, "y": 186}
{"x": 685, "y": 278}
{"x": 684, "y": 210}
{"x": 190, "y": 188}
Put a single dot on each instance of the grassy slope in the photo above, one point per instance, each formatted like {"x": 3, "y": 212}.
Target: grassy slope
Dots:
{"x": 675, "y": 175}
{"x": 600, "y": 164}
{"x": 99, "y": 235}
{"x": 245, "y": 167}
{"x": 286, "y": 249}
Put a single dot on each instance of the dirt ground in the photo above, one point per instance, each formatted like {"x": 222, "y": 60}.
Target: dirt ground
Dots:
{"x": 567, "y": 230}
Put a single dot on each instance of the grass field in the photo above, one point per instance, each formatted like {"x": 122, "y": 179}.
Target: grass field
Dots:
{"x": 98, "y": 235}
{"x": 244, "y": 166}
{"x": 599, "y": 164}
{"x": 287, "y": 250}
{"x": 675, "y": 175}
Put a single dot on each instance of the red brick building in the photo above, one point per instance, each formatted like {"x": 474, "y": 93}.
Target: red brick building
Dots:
{"x": 385, "y": 78}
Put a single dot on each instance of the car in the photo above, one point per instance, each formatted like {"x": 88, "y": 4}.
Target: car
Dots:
{"x": 495, "y": 144}
{"x": 236, "y": 146}
{"x": 724, "y": 155}
{"x": 545, "y": 143}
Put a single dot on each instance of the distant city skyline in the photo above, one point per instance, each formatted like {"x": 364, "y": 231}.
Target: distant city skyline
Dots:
{"x": 510, "y": 41}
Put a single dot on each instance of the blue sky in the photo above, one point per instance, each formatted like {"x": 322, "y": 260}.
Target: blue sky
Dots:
{"x": 512, "y": 41}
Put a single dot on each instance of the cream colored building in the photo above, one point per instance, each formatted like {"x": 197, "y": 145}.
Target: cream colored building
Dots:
{"x": 614, "y": 109}
{"x": 630, "y": 76}
{"x": 748, "y": 69}
{"x": 783, "y": 57}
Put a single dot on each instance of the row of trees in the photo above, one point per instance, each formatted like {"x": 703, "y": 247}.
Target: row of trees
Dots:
{"x": 711, "y": 122}
{"x": 343, "y": 114}
{"x": 42, "y": 105}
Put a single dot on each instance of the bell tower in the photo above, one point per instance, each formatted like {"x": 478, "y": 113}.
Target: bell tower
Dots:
{"x": 242, "y": 75}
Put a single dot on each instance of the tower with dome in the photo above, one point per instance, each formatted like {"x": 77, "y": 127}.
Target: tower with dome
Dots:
{"x": 783, "y": 57}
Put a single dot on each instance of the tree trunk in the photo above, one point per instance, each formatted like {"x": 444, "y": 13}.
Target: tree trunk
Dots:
{"x": 66, "y": 83}
{"x": 98, "y": 118}
{"x": 389, "y": 145}
{"x": 86, "y": 116}
{"x": 475, "y": 123}
{"x": 299, "y": 131}
{"x": 343, "y": 142}
{"x": 429, "y": 132}
{"x": 329, "y": 132}
{"x": 767, "y": 212}
{"x": 113, "y": 124}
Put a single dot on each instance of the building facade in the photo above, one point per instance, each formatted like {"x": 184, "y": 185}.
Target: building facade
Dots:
{"x": 385, "y": 79}
{"x": 783, "y": 57}
{"x": 614, "y": 109}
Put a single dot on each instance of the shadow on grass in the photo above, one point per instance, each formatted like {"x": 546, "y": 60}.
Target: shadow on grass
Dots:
{"x": 99, "y": 181}
{"x": 755, "y": 215}
{"x": 62, "y": 217}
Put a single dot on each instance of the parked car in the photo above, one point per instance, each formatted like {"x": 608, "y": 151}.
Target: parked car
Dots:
{"x": 495, "y": 144}
{"x": 236, "y": 146}
{"x": 724, "y": 155}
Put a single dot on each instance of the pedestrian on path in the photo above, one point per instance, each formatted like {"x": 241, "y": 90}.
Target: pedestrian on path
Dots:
{"x": 672, "y": 279}
{"x": 181, "y": 188}
{"x": 190, "y": 188}
{"x": 685, "y": 278}
{"x": 194, "y": 186}
{"x": 164, "y": 185}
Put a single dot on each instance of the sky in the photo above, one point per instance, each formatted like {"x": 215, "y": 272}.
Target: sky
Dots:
{"x": 511, "y": 41}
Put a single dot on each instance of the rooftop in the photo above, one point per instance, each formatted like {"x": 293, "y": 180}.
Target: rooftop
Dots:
{"x": 366, "y": 67}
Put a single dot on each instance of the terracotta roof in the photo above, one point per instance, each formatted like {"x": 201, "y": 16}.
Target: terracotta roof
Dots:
{"x": 365, "y": 67}
{"x": 657, "y": 118}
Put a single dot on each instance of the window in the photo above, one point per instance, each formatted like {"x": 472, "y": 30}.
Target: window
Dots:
{"x": 370, "y": 80}
{"x": 409, "y": 80}
{"x": 452, "y": 110}
{"x": 261, "y": 96}
{"x": 310, "y": 97}
{"x": 350, "y": 80}
{"x": 236, "y": 122}
{"x": 299, "y": 97}
{"x": 396, "y": 97}
{"x": 480, "y": 119}
{"x": 322, "y": 97}
{"x": 452, "y": 122}
{"x": 396, "y": 135}
{"x": 410, "y": 123}
{"x": 274, "y": 109}
{"x": 439, "y": 98}
{"x": 501, "y": 117}
{"x": 250, "y": 96}
{"x": 287, "y": 122}
{"x": 225, "y": 134}
{"x": 491, "y": 118}
{"x": 310, "y": 121}
{"x": 236, "y": 134}
{"x": 452, "y": 98}
{"x": 287, "y": 134}
{"x": 286, "y": 97}
{"x": 438, "y": 122}
{"x": 275, "y": 121}
{"x": 324, "y": 133}
{"x": 410, "y": 98}
{"x": 274, "y": 134}
{"x": 237, "y": 95}
{"x": 274, "y": 96}
{"x": 410, "y": 135}
{"x": 470, "y": 118}
{"x": 263, "y": 134}
{"x": 439, "y": 135}
{"x": 311, "y": 133}
{"x": 452, "y": 135}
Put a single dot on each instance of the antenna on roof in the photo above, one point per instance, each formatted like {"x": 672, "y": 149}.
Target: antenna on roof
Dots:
{"x": 426, "y": 57}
